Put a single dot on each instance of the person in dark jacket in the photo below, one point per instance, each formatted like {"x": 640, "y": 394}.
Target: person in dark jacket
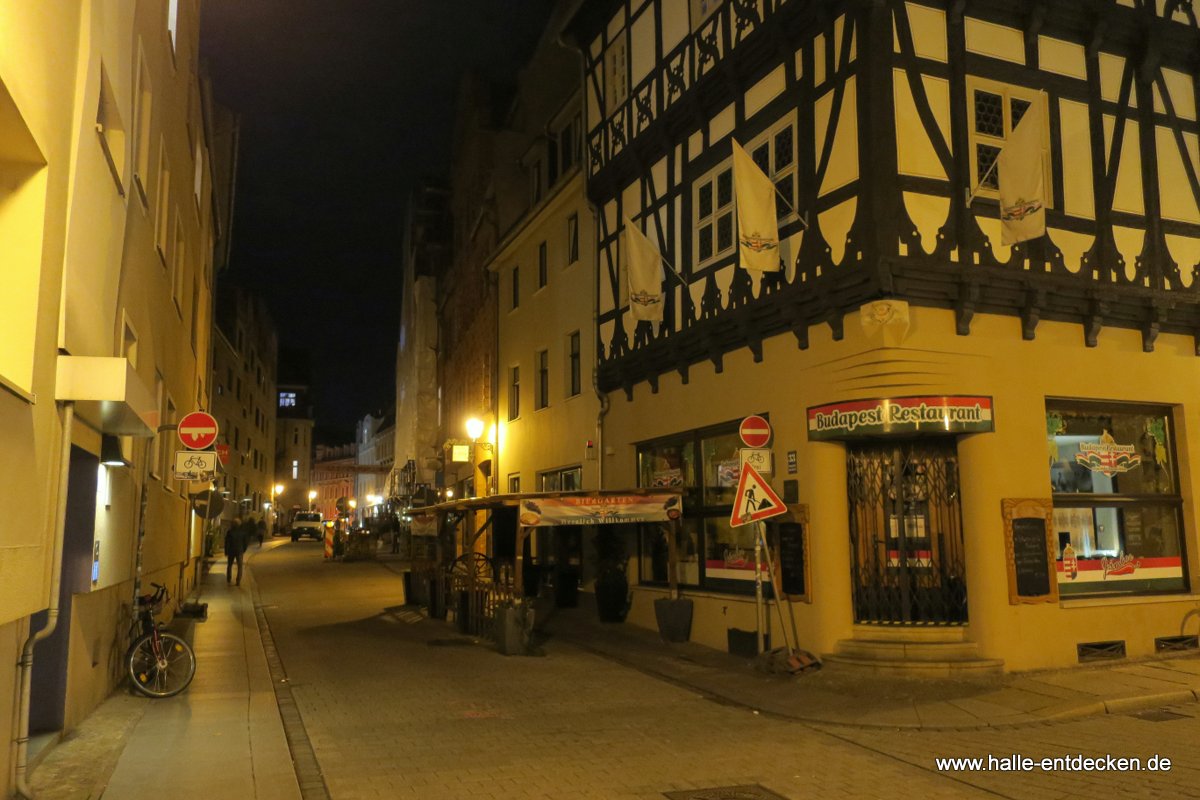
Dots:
{"x": 236, "y": 542}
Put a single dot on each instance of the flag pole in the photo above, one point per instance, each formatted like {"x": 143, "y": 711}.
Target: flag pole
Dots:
{"x": 803, "y": 219}
{"x": 972, "y": 192}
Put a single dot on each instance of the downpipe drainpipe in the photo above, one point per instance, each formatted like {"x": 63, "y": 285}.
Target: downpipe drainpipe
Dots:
{"x": 603, "y": 396}
{"x": 26, "y": 663}
{"x": 569, "y": 43}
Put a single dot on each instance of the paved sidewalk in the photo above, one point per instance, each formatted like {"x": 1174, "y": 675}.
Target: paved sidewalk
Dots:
{"x": 842, "y": 695}
{"x": 221, "y": 738}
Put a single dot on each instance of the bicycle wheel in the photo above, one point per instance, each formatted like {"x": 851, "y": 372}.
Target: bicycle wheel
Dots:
{"x": 161, "y": 677}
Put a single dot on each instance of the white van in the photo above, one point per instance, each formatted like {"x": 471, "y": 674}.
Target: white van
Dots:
{"x": 307, "y": 523}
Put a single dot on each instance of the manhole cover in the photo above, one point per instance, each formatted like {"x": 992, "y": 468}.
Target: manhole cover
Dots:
{"x": 1159, "y": 715}
{"x": 449, "y": 643}
{"x": 754, "y": 792}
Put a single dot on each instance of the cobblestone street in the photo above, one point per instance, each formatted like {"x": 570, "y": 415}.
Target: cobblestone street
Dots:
{"x": 399, "y": 706}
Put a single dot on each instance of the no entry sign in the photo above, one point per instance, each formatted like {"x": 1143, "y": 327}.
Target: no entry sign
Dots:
{"x": 755, "y": 431}
{"x": 198, "y": 430}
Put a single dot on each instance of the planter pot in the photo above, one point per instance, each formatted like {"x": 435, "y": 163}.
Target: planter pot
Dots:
{"x": 566, "y": 588}
{"x": 513, "y": 627}
{"x": 612, "y": 598}
{"x": 674, "y": 618}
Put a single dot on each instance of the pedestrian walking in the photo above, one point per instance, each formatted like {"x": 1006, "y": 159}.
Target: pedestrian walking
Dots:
{"x": 236, "y": 541}
{"x": 261, "y": 529}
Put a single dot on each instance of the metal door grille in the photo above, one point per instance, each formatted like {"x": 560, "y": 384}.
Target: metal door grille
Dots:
{"x": 906, "y": 533}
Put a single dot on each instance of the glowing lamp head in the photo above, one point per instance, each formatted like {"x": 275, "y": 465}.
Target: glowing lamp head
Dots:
{"x": 474, "y": 428}
{"x": 312, "y": 494}
{"x": 279, "y": 488}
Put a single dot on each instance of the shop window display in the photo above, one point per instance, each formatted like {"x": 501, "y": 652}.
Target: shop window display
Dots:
{"x": 712, "y": 555}
{"x": 1116, "y": 499}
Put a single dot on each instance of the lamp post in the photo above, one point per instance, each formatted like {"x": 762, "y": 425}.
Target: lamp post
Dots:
{"x": 475, "y": 430}
{"x": 312, "y": 495}
{"x": 276, "y": 490}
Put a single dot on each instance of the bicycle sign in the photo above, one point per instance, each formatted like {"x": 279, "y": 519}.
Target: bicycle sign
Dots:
{"x": 192, "y": 465}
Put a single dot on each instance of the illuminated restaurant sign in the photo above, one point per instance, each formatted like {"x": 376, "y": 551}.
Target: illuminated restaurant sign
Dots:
{"x": 900, "y": 415}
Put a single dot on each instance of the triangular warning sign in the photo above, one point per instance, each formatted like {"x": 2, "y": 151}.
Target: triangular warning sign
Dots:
{"x": 755, "y": 499}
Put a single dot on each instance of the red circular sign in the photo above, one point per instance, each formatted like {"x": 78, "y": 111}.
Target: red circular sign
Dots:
{"x": 197, "y": 430}
{"x": 755, "y": 431}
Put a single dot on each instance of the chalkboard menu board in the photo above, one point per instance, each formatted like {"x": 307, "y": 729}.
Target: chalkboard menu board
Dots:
{"x": 1030, "y": 560}
{"x": 792, "y": 559}
{"x": 1032, "y": 576}
{"x": 789, "y": 548}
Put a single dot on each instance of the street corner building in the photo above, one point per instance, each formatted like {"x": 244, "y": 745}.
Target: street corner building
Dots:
{"x": 115, "y": 179}
{"x": 978, "y": 351}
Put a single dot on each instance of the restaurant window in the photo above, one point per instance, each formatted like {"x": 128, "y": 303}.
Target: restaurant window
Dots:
{"x": 712, "y": 555}
{"x": 1117, "y": 503}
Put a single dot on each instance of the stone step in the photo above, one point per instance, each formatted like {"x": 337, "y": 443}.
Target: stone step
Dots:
{"x": 974, "y": 668}
{"x": 891, "y": 650}
{"x": 910, "y": 633}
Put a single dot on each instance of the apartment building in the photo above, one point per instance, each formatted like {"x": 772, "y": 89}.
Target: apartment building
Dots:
{"x": 110, "y": 223}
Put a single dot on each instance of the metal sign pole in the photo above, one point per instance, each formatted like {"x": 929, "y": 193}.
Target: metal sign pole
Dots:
{"x": 758, "y": 592}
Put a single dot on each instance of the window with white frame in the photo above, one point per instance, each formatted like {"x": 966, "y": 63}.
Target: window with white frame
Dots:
{"x": 713, "y": 210}
{"x": 111, "y": 130}
{"x": 514, "y": 392}
{"x": 569, "y": 479}
{"x": 775, "y": 154}
{"x": 616, "y": 72}
{"x": 162, "y": 217}
{"x": 574, "y": 371}
{"x": 995, "y": 109}
{"x": 143, "y": 97}
{"x": 179, "y": 266}
{"x": 535, "y": 182}
{"x": 701, "y": 10}
{"x": 568, "y": 144}
{"x": 514, "y": 483}
{"x": 173, "y": 22}
{"x": 542, "y": 397}
{"x": 572, "y": 238}
{"x": 168, "y": 453}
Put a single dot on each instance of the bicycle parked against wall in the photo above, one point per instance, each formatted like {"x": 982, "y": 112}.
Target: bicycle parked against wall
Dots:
{"x": 160, "y": 664}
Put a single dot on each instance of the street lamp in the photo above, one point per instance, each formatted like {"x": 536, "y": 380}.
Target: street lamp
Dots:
{"x": 474, "y": 428}
{"x": 276, "y": 490}
{"x": 312, "y": 495}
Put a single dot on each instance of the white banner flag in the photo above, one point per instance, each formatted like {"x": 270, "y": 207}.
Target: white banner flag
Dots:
{"x": 1022, "y": 179}
{"x": 758, "y": 227}
{"x": 644, "y": 266}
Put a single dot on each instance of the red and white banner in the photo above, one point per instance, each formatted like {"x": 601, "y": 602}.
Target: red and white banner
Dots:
{"x": 599, "y": 509}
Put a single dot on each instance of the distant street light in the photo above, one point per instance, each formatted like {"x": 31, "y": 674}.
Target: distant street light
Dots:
{"x": 312, "y": 495}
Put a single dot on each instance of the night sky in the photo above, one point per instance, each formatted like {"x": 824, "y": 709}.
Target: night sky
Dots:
{"x": 344, "y": 105}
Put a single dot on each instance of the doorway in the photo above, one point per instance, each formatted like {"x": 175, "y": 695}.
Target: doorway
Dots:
{"x": 906, "y": 532}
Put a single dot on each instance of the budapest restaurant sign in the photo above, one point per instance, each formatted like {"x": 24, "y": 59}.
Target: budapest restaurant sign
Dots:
{"x": 900, "y": 415}
{"x": 599, "y": 509}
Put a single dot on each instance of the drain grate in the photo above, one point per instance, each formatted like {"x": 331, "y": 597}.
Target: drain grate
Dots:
{"x": 1159, "y": 715}
{"x": 752, "y": 792}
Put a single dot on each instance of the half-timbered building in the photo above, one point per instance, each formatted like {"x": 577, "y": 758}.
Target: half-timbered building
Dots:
{"x": 917, "y": 372}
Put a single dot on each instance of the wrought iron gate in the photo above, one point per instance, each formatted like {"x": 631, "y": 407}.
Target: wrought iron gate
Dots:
{"x": 906, "y": 533}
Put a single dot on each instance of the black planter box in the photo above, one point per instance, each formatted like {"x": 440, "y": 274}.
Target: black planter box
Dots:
{"x": 674, "y": 618}
{"x": 745, "y": 643}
